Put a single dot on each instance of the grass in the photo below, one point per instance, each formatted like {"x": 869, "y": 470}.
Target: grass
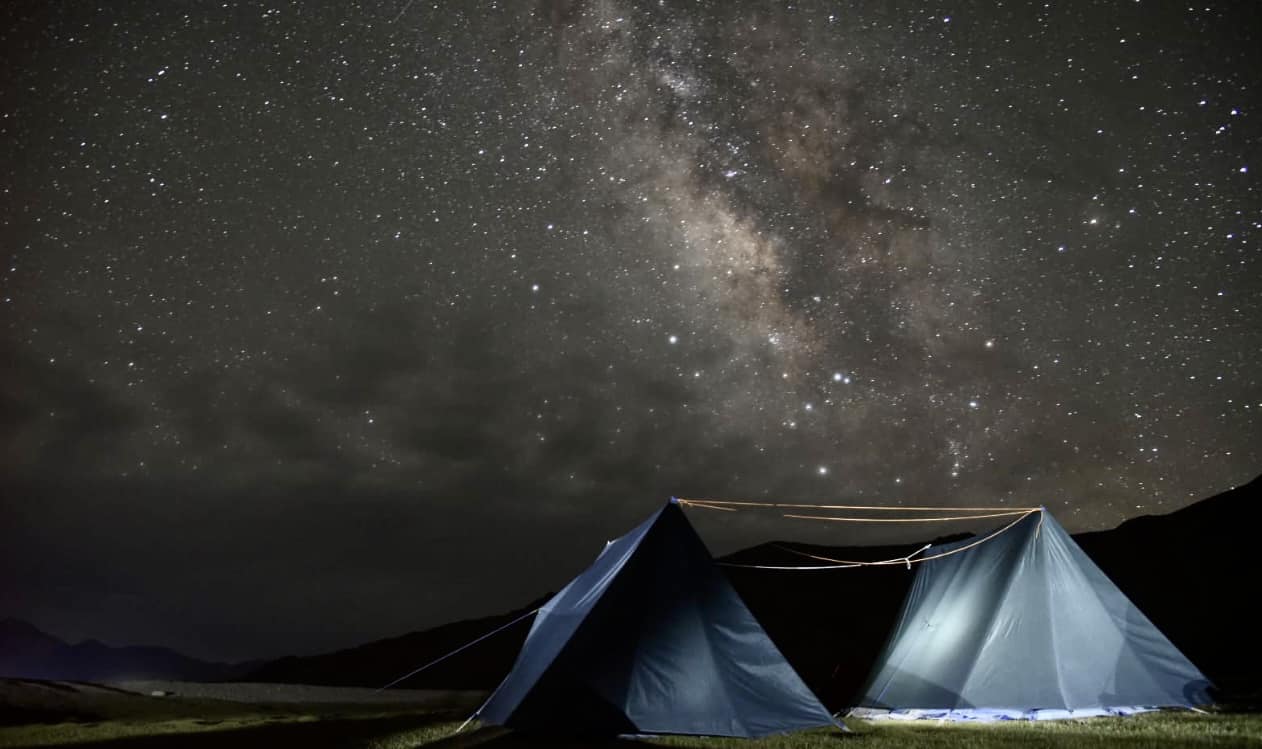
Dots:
{"x": 36, "y": 713}
{"x": 317, "y": 727}
{"x": 370, "y": 731}
{"x": 1156, "y": 730}
{"x": 1165, "y": 730}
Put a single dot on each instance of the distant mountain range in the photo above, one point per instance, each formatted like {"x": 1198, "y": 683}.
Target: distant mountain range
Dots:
{"x": 1193, "y": 572}
{"x": 28, "y": 652}
{"x": 376, "y": 664}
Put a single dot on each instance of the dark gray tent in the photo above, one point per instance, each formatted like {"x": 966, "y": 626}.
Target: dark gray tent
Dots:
{"x": 1025, "y": 625}
{"x": 652, "y": 639}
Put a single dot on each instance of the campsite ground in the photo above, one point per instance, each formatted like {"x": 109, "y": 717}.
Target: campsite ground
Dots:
{"x": 157, "y": 714}
{"x": 241, "y": 716}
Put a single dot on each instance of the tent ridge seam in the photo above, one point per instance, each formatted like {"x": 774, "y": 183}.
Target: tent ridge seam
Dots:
{"x": 990, "y": 625}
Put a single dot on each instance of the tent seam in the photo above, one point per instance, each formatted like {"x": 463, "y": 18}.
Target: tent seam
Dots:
{"x": 1145, "y": 663}
{"x": 1052, "y": 619}
{"x": 990, "y": 626}
{"x": 727, "y": 695}
{"x": 573, "y": 633}
{"x": 895, "y": 635}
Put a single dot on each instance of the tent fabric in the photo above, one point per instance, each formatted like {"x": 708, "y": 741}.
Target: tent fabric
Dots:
{"x": 652, "y": 639}
{"x": 1026, "y": 625}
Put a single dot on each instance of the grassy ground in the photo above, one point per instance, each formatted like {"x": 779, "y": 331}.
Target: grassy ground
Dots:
{"x": 1162, "y": 730}
{"x": 400, "y": 731}
{"x": 403, "y": 731}
{"x": 107, "y": 718}
{"x": 383, "y": 731}
{"x": 43, "y": 713}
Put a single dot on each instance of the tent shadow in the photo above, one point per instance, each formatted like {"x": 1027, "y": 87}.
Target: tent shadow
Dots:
{"x": 929, "y": 695}
{"x": 497, "y": 736}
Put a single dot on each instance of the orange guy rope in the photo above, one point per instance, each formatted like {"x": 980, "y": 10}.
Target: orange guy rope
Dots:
{"x": 707, "y": 506}
{"x": 908, "y": 520}
{"x": 874, "y": 508}
{"x": 918, "y": 560}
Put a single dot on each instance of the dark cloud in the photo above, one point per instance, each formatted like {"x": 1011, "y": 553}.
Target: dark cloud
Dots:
{"x": 57, "y": 419}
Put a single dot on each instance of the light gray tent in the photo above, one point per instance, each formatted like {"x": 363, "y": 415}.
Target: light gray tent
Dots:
{"x": 1025, "y": 625}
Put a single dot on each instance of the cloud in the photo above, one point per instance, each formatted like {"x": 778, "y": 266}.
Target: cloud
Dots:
{"x": 58, "y": 420}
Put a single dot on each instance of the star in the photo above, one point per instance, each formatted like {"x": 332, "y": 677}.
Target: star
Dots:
{"x": 308, "y": 283}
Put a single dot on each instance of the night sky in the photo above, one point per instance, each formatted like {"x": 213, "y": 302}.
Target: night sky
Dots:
{"x": 323, "y": 322}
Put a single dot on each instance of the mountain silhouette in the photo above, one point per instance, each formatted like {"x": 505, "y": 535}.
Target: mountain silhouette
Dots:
{"x": 30, "y": 653}
{"x": 378, "y": 663}
{"x": 1191, "y": 571}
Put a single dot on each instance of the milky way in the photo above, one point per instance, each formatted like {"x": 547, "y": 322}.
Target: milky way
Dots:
{"x": 361, "y": 318}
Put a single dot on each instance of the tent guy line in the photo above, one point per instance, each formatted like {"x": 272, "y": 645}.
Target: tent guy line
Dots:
{"x": 897, "y": 560}
{"x": 725, "y": 503}
{"x": 1022, "y": 513}
{"x": 989, "y": 512}
{"x": 706, "y": 505}
{"x": 469, "y": 644}
{"x": 908, "y": 561}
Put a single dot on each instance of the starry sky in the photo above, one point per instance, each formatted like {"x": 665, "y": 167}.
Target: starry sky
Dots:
{"x": 323, "y": 322}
